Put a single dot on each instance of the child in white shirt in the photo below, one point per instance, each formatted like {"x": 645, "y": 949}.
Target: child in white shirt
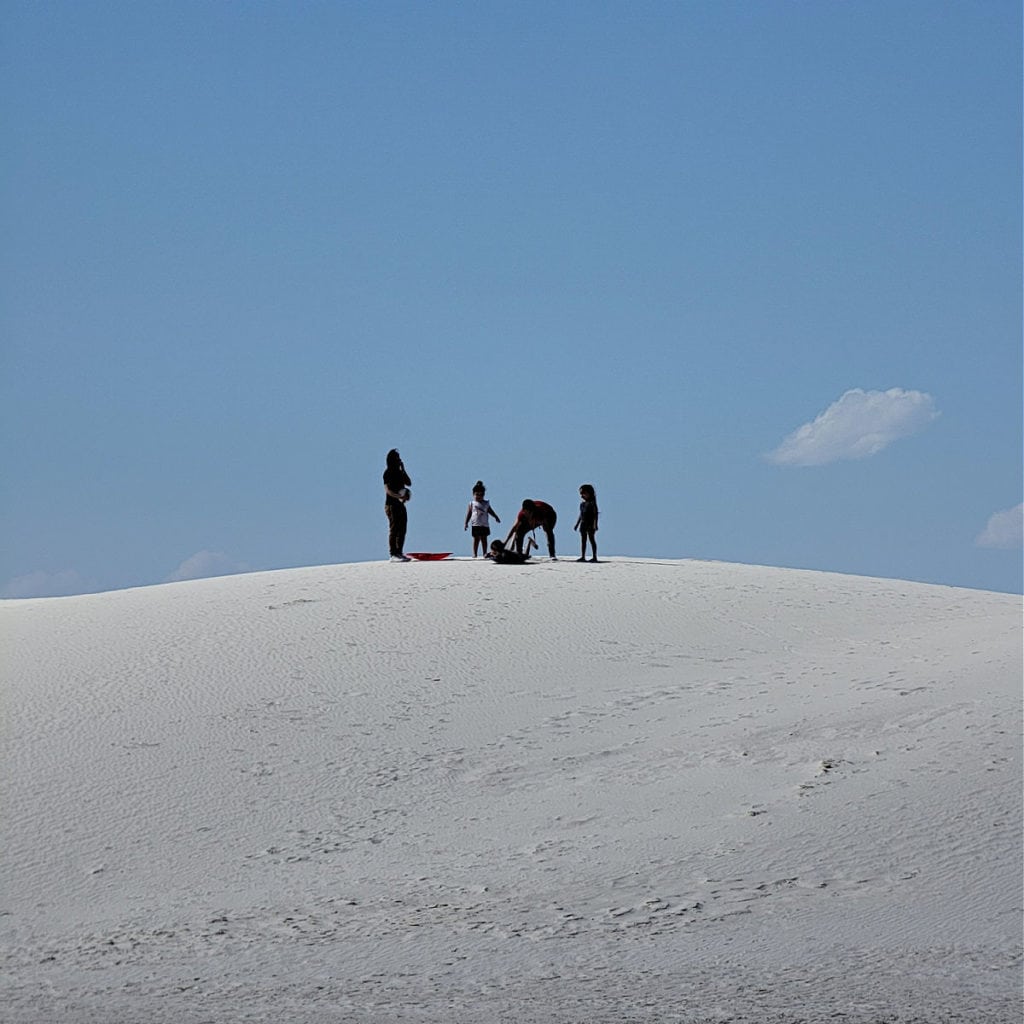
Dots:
{"x": 477, "y": 516}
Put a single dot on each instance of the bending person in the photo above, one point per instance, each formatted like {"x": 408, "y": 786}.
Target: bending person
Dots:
{"x": 533, "y": 514}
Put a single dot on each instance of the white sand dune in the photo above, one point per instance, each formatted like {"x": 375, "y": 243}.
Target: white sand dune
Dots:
{"x": 455, "y": 792}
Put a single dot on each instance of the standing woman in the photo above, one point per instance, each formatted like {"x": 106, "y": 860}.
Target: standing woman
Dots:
{"x": 396, "y": 494}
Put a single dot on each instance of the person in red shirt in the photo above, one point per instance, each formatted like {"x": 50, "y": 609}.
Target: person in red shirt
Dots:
{"x": 533, "y": 514}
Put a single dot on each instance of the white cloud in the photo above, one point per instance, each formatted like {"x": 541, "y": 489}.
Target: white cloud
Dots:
{"x": 204, "y": 564}
{"x": 46, "y": 584}
{"x": 1004, "y": 530}
{"x": 860, "y": 424}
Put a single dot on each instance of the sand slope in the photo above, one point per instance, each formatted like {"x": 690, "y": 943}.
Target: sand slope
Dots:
{"x": 636, "y": 791}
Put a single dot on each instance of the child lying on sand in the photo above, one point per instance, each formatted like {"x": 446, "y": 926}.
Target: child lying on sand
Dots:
{"x": 509, "y": 556}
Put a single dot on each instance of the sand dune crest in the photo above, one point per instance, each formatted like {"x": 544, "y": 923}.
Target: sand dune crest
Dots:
{"x": 637, "y": 791}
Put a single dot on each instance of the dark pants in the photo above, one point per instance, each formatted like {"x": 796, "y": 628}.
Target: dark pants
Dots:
{"x": 549, "y": 531}
{"x": 398, "y": 520}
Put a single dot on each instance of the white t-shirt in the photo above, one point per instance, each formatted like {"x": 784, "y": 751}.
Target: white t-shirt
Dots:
{"x": 481, "y": 509}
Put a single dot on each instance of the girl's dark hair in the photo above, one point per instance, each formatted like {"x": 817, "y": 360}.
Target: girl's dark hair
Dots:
{"x": 479, "y": 486}
{"x": 588, "y": 490}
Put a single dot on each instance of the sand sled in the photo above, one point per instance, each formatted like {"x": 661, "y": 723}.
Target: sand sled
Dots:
{"x": 428, "y": 556}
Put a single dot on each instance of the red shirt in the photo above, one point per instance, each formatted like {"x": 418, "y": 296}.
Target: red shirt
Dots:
{"x": 543, "y": 515}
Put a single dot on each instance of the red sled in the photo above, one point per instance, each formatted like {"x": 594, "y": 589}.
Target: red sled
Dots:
{"x": 429, "y": 556}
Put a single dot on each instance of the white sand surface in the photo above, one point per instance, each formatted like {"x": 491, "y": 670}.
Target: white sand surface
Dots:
{"x": 638, "y": 791}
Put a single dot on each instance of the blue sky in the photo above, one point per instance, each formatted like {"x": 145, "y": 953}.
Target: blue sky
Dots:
{"x": 752, "y": 269}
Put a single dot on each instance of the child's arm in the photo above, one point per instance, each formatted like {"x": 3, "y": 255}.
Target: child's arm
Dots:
{"x": 493, "y": 513}
{"x": 579, "y": 520}
{"x": 469, "y": 513}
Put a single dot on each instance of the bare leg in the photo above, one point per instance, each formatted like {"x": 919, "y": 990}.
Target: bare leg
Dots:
{"x": 551, "y": 540}
{"x": 520, "y": 535}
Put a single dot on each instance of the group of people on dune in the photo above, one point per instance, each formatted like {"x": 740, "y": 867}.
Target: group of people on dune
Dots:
{"x": 516, "y": 547}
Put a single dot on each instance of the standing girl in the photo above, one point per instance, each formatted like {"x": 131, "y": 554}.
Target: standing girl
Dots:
{"x": 396, "y": 494}
{"x": 476, "y": 516}
{"x": 587, "y": 522}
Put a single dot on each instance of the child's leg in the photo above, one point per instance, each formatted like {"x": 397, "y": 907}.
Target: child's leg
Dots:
{"x": 593, "y": 543}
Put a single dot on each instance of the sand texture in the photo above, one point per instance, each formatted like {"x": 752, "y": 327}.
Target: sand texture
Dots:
{"x": 452, "y": 792}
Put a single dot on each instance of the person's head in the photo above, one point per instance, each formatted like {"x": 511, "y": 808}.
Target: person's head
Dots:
{"x": 394, "y": 459}
{"x": 587, "y": 492}
{"x": 528, "y": 505}
{"x": 478, "y": 489}
{"x": 497, "y": 546}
